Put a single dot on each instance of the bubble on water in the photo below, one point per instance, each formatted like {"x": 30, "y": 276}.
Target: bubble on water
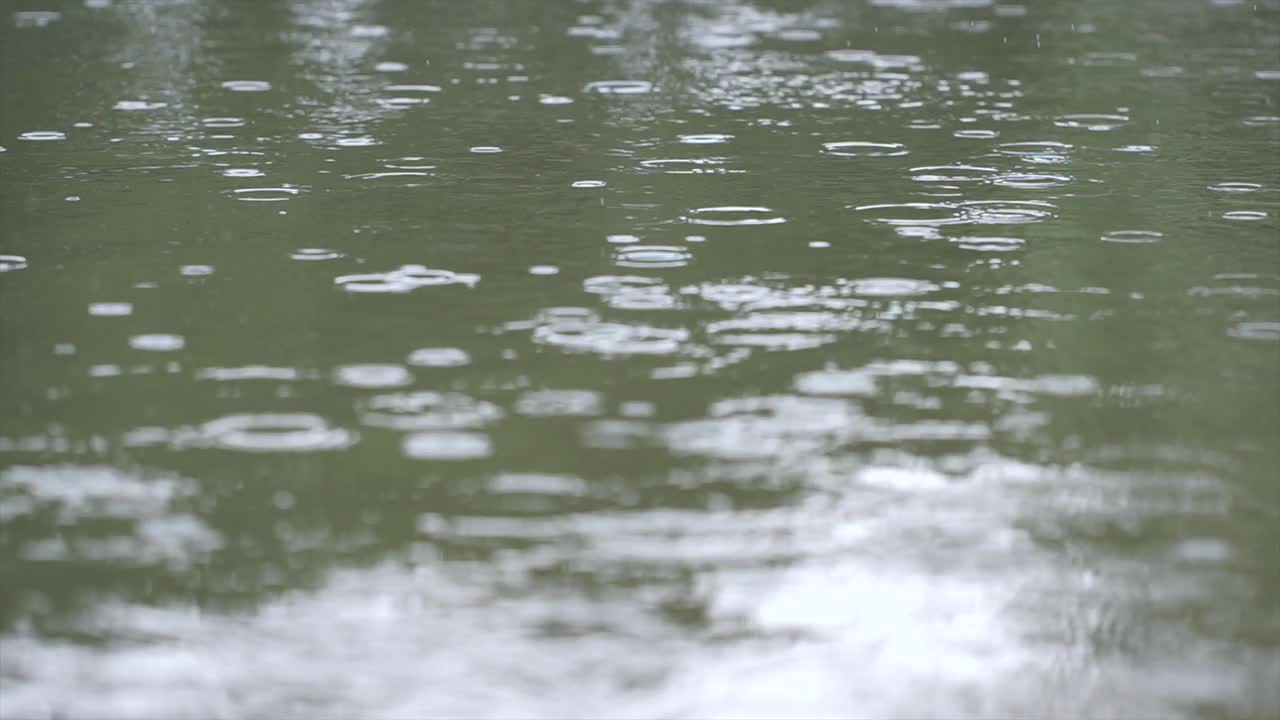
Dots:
{"x": 439, "y": 357}
{"x": 486, "y": 149}
{"x": 1256, "y": 331}
{"x": 652, "y": 256}
{"x": 389, "y": 66}
{"x": 1244, "y": 215}
{"x": 139, "y": 105}
{"x": 314, "y": 254}
{"x": 242, "y": 172}
{"x": 426, "y": 411}
{"x": 276, "y": 432}
{"x": 1133, "y": 237}
{"x": 110, "y": 309}
{"x": 266, "y": 194}
{"x": 369, "y": 31}
{"x": 734, "y": 215}
{"x": 544, "y": 270}
{"x": 196, "y": 270}
{"x": 890, "y": 287}
{"x": 157, "y": 342}
{"x": 559, "y": 403}
{"x": 247, "y": 85}
{"x": 705, "y": 139}
{"x": 42, "y": 135}
{"x": 856, "y": 148}
{"x": 404, "y": 279}
{"x": 9, "y": 263}
{"x": 372, "y": 375}
{"x": 589, "y": 184}
{"x": 619, "y": 87}
{"x": 1235, "y": 187}
{"x": 447, "y": 446}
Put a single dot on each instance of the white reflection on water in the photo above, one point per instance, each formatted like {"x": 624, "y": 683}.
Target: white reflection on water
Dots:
{"x": 900, "y": 591}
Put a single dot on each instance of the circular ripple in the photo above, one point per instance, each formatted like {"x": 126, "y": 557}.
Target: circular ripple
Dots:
{"x": 1133, "y": 237}
{"x": 1236, "y": 187}
{"x": 247, "y": 85}
{"x": 952, "y": 173}
{"x": 854, "y": 148}
{"x": 9, "y": 263}
{"x": 1096, "y": 123}
{"x": 619, "y": 87}
{"x": 589, "y": 184}
{"x": 1031, "y": 181}
{"x": 372, "y": 376}
{"x": 405, "y": 279}
{"x": 157, "y": 342}
{"x": 287, "y": 432}
{"x": 705, "y": 139}
{"x": 427, "y": 411}
{"x": 890, "y": 287}
{"x": 1006, "y": 212}
{"x": 242, "y": 172}
{"x": 610, "y": 338}
{"x": 313, "y": 254}
{"x": 734, "y": 215}
{"x": 1247, "y": 215}
{"x": 267, "y": 194}
{"x": 447, "y": 446}
{"x": 916, "y": 213}
{"x": 652, "y": 256}
{"x": 1256, "y": 331}
{"x": 42, "y": 135}
{"x": 439, "y": 357}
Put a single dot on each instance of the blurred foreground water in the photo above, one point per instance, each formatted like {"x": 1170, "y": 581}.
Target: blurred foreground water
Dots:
{"x": 783, "y": 358}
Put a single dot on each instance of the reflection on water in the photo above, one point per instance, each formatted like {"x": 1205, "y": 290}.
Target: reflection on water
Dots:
{"x": 629, "y": 359}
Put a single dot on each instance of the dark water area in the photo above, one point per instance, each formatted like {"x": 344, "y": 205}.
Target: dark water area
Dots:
{"x": 606, "y": 358}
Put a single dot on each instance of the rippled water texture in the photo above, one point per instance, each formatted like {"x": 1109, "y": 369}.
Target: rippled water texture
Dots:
{"x": 625, "y": 358}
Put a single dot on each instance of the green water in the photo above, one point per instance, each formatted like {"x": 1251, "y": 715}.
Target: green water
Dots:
{"x": 901, "y": 358}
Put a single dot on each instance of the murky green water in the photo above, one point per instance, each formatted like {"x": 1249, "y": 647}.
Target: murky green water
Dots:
{"x": 900, "y": 358}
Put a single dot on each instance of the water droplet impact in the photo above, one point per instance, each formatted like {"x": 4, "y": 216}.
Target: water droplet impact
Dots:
{"x": 1096, "y": 123}
{"x": 196, "y": 270}
{"x": 1031, "y": 181}
{"x": 619, "y": 87}
{"x": 9, "y": 263}
{"x": 266, "y": 194}
{"x": 855, "y": 148}
{"x": 312, "y": 254}
{"x": 976, "y": 134}
{"x": 706, "y": 139}
{"x": 427, "y": 411}
{"x": 223, "y": 122}
{"x": 1256, "y": 331}
{"x": 42, "y": 135}
{"x": 271, "y": 432}
{"x": 247, "y": 85}
{"x": 1235, "y": 187}
{"x": 157, "y": 342}
{"x": 404, "y": 279}
{"x": 732, "y": 215}
{"x": 1005, "y": 212}
{"x": 589, "y": 184}
{"x": 139, "y": 105}
{"x": 484, "y": 149}
{"x": 372, "y": 376}
{"x": 1133, "y": 237}
{"x": 110, "y": 309}
{"x": 584, "y": 332}
{"x": 242, "y": 172}
{"x": 652, "y": 256}
{"x": 439, "y": 357}
{"x": 890, "y": 287}
{"x": 447, "y": 446}
{"x": 1247, "y": 215}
